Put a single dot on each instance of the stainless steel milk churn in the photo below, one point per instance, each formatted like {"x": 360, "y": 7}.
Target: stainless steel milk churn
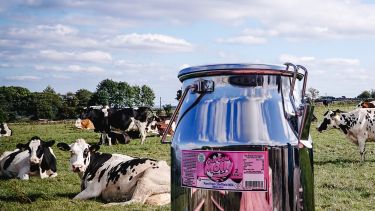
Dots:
{"x": 242, "y": 139}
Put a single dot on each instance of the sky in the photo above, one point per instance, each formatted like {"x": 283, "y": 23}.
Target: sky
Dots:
{"x": 75, "y": 44}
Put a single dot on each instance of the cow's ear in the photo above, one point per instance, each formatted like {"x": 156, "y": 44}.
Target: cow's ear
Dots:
{"x": 63, "y": 146}
{"x": 49, "y": 143}
{"x": 94, "y": 148}
{"x": 21, "y": 146}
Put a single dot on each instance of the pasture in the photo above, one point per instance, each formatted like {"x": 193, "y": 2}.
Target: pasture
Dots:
{"x": 341, "y": 181}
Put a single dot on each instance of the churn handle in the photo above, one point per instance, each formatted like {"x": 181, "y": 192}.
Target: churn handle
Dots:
{"x": 291, "y": 96}
{"x": 174, "y": 115}
{"x": 304, "y": 80}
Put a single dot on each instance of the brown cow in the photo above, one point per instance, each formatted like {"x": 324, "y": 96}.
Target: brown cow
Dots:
{"x": 162, "y": 126}
{"x": 364, "y": 104}
{"x": 84, "y": 124}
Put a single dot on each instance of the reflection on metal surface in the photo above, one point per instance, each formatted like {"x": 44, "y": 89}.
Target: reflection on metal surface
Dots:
{"x": 249, "y": 109}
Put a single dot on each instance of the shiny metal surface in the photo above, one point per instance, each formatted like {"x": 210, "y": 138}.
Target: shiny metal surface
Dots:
{"x": 290, "y": 187}
{"x": 256, "y": 109}
{"x": 239, "y": 115}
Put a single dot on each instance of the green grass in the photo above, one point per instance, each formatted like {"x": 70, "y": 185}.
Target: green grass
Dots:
{"x": 57, "y": 193}
{"x": 341, "y": 181}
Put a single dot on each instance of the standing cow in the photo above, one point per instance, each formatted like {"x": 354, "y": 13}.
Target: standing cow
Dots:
{"x": 4, "y": 130}
{"x": 127, "y": 119}
{"x": 34, "y": 158}
{"x": 358, "y": 125}
{"x": 118, "y": 178}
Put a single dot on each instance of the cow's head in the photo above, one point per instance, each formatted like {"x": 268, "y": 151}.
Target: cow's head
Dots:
{"x": 330, "y": 119}
{"x": 36, "y": 148}
{"x": 98, "y": 116}
{"x": 80, "y": 153}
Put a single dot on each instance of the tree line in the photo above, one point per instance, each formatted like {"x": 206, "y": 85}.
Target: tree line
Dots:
{"x": 19, "y": 103}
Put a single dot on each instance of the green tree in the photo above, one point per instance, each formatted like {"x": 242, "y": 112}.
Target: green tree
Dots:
{"x": 14, "y": 102}
{"x": 364, "y": 95}
{"x": 49, "y": 89}
{"x": 137, "y": 95}
{"x": 147, "y": 96}
{"x": 373, "y": 93}
{"x": 83, "y": 96}
{"x": 124, "y": 96}
{"x": 168, "y": 110}
{"x": 69, "y": 106}
{"x": 313, "y": 94}
{"x": 100, "y": 97}
{"x": 46, "y": 105}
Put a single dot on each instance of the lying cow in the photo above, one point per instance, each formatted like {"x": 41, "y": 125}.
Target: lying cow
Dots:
{"x": 364, "y": 104}
{"x": 162, "y": 126}
{"x": 4, "y": 130}
{"x": 127, "y": 119}
{"x": 34, "y": 158}
{"x": 118, "y": 178}
{"x": 84, "y": 124}
{"x": 358, "y": 125}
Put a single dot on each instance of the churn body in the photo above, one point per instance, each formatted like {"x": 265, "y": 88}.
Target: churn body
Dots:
{"x": 242, "y": 139}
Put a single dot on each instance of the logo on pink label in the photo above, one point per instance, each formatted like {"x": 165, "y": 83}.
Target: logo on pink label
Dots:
{"x": 218, "y": 167}
{"x": 225, "y": 170}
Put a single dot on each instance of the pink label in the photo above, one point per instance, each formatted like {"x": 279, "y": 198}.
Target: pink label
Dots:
{"x": 225, "y": 170}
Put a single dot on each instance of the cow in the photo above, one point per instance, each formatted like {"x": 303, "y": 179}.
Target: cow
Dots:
{"x": 364, "y": 104}
{"x": 162, "y": 126}
{"x": 126, "y": 119}
{"x": 4, "y": 130}
{"x": 358, "y": 125}
{"x": 119, "y": 136}
{"x": 84, "y": 124}
{"x": 118, "y": 178}
{"x": 33, "y": 158}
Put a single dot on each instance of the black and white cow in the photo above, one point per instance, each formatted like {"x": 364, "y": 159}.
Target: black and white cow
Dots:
{"x": 358, "y": 125}
{"x": 4, "y": 130}
{"x": 126, "y": 119}
{"x": 118, "y": 178}
{"x": 34, "y": 158}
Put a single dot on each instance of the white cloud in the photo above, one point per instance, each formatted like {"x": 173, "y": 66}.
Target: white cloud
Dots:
{"x": 147, "y": 42}
{"x": 89, "y": 56}
{"x": 244, "y": 39}
{"x": 334, "y": 76}
{"x": 342, "y": 61}
{"x": 70, "y": 68}
{"x": 23, "y": 78}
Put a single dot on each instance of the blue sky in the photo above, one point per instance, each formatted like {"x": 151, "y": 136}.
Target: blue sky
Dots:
{"x": 72, "y": 44}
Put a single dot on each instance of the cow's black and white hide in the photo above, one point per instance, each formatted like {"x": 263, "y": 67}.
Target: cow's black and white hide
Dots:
{"x": 119, "y": 137}
{"x": 33, "y": 158}
{"x": 105, "y": 119}
{"x": 5, "y": 130}
{"x": 358, "y": 125}
{"x": 118, "y": 178}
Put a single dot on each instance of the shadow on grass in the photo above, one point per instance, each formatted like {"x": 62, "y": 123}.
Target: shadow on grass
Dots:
{"x": 66, "y": 195}
{"x": 341, "y": 161}
{"x": 21, "y": 198}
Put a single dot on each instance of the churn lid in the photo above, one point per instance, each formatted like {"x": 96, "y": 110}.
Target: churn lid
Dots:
{"x": 235, "y": 69}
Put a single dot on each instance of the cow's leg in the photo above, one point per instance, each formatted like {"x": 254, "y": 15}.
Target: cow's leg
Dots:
{"x": 91, "y": 191}
{"x": 23, "y": 174}
{"x": 362, "y": 149}
{"x": 109, "y": 139}
{"x": 102, "y": 139}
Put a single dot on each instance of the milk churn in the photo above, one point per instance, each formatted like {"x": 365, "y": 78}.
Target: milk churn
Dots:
{"x": 242, "y": 139}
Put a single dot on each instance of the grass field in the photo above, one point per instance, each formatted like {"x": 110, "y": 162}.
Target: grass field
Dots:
{"x": 341, "y": 181}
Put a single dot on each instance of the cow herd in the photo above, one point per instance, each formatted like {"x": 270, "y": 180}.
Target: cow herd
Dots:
{"x": 121, "y": 179}
{"x": 116, "y": 178}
